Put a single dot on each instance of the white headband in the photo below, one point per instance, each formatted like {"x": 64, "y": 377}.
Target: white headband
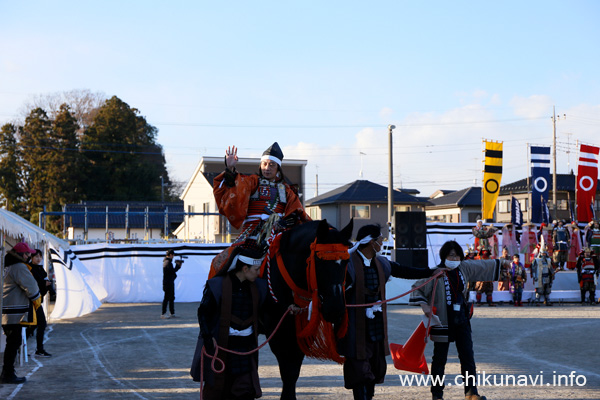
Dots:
{"x": 364, "y": 240}
{"x": 246, "y": 260}
{"x": 268, "y": 157}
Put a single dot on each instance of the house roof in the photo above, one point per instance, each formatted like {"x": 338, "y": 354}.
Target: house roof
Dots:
{"x": 96, "y": 217}
{"x": 440, "y": 193}
{"x": 362, "y": 191}
{"x": 564, "y": 183}
{"x": 468, "y": 197}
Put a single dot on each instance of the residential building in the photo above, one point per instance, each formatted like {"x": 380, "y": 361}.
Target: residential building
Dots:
{"x": 365, "y": 201}
{"x": 455, "y": 206}
{"x": 121, "y": 220}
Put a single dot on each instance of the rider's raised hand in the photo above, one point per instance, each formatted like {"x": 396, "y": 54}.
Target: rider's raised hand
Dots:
{"x": 231, "y": 157}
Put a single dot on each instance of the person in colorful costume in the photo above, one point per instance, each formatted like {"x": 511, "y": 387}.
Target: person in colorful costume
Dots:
{"x": 529, "y": 242}
{"x": 588, "y": 268}
{"x": 257, "y": 203}
{"x": 542, "y": 273}
{"x": 486, "y": 287}
{"x": 504, "y": 281}
{"x": 518, "y": 277}
{"x": 365, "y": 344}
{"x": 545, "y": 236}
{"x": 451, "y": 307}
{"x": 576, "y": 245}
{"x": 561, "y": 239}
{"x": 509, "y": 239}
{"x": 593, "y": 237}
{"x": 228, "y": 315}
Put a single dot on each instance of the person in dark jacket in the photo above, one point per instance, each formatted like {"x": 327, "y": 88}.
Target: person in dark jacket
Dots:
{"x": 228, "y": 315}
{"x": 169, "y": 276}
{"x": 44, "y": 284}
{"x": 20, "y": 296}
{"x": 365, "y": 344}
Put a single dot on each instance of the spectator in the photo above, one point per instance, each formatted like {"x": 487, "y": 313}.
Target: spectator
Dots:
{"x": 20, "y": 296}
{"x": 44, "y": 284}
{"x": 169, "y": 276}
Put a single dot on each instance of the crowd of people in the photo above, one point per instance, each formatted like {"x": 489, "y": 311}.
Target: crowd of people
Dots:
{"x": 545, "y": 251}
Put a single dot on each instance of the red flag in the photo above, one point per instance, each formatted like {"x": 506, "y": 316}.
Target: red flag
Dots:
{"x": 587, "y": 179}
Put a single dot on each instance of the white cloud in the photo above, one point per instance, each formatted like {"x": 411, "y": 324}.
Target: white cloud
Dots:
{"x": 534, "y": 106}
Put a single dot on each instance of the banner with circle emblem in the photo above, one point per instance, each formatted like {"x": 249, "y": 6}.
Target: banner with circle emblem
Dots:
{"x": 492, "y": 175}
{"x": 540, "y": 181}
{"x": 587, "y": 182}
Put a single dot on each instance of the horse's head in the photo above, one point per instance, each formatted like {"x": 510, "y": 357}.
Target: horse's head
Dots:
{"x": 331, "y": 259}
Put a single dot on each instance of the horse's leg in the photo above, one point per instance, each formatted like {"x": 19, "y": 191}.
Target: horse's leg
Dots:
{"x": 289, "y": 357}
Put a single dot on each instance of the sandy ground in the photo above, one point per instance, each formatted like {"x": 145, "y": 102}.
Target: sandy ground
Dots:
{"x": 125, "y": 351}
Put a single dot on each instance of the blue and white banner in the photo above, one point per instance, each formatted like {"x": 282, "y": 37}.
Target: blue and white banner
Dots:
{"x": 540, "y": 181}
{"x": 516, "y": 215}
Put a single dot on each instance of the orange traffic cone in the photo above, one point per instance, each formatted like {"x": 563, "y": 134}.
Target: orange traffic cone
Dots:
{"x": 411, "y": 356}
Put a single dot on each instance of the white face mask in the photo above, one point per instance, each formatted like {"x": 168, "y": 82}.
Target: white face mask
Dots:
{"x": 451, "y": 264}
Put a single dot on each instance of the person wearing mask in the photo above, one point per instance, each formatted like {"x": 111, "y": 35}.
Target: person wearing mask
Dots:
{"x": 44, "y": 284}
{"x": 20, "y": 298}
{"x": 450, "y": 305}
{"x": 365, "y": 345}
{"x": 169, "y": 276}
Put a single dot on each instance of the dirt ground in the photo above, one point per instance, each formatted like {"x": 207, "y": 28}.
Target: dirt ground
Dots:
{"x": 125, "y": 351}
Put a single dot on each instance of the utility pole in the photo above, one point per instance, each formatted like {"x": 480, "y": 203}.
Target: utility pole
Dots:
{"x": 391, "y": 176}
{"x": 554, "y": 205}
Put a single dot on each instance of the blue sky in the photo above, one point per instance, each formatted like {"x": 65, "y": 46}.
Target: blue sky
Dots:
{"x": 324, "y": 79}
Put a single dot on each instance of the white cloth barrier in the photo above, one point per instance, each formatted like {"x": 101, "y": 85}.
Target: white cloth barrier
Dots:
{"x": 123, "y": 273}
{"x": 133, "y": 273}
{"x": 77, "y": 290}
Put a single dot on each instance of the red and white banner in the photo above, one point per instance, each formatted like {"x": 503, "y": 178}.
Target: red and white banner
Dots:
{"x": 587, "y": 179}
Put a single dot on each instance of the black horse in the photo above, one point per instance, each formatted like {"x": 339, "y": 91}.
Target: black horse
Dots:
{"x": 295, "y": 249}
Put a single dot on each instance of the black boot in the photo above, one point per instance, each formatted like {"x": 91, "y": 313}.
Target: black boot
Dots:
{"x": 11, "y": 378}
{"x": 360, "y": 393}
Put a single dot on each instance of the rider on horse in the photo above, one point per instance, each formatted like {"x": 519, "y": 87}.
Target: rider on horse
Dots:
{"x": 258, "y": 203}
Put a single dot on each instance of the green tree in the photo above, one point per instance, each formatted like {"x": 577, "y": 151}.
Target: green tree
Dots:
{"x": 36, "y": 151}
{"x": 11, "y": 190}
{"x": 125, "y": 160}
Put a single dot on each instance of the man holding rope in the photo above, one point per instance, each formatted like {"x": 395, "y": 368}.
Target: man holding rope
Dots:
{"x": 228, "y": 318}
{"x": 366, "y": 345}
{"x": 449, "y": 296}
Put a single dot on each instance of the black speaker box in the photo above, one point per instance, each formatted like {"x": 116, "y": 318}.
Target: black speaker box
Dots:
{"x": 417, "y": 258}
{"x": 410, "y": 230}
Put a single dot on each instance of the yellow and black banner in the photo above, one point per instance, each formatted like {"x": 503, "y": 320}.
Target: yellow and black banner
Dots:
{"x": 492, "y": 175}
